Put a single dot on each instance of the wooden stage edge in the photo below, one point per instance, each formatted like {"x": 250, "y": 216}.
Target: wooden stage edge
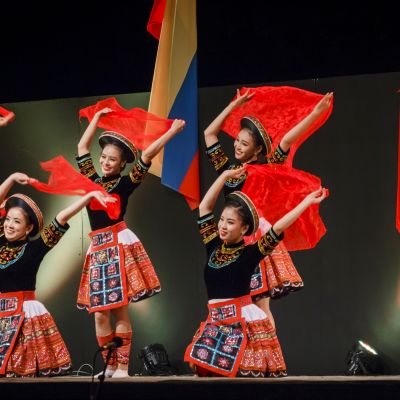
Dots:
{"x": 184, "y": 387}
{"x": 194, "y": 379}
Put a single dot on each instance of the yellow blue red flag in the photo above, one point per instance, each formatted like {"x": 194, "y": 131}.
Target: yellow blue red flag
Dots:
{"x": 174, "y": 95}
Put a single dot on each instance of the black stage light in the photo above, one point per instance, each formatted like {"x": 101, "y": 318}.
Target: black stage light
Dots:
{"x": 363, "y": 359}
{"x": 155, "y": 361}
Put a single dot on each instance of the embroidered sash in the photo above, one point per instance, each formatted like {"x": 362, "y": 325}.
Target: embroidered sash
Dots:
{"x": 11, "y": 319}
{"x": 221, "y": 340}
{"x": 107, "y": 284}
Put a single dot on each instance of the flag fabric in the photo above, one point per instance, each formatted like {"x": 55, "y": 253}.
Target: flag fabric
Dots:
{"x": 279, "y": 109}
{"x": 139, "y": 126}
{"x": 174, "y": 95}
{"x": 156, "y": 18}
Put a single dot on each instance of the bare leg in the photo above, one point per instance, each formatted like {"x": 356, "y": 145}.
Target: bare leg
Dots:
{"x": 263, "y": 303}
{"x": 193, "y": 367}
{"x": 102, "y": 320}
{"x": 122, "y": 322}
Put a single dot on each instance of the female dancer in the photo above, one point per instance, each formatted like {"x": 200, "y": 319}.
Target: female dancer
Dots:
{"x": 117, "y": 268}
{"x": 238, "y": 338}
{"x": 276, "y": 275}
{"x": 30, "y": 343}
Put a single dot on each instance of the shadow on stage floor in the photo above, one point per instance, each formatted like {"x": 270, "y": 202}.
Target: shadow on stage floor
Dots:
{"x": 190, "y": 387}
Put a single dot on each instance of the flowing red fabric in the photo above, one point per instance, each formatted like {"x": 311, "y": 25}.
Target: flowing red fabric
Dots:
{"x": 275, "y": 190}
{"x": 279, "y": 109}
{"x": 5, "y": 113}
{"x": 156, "y": 18}
{"x": 139, "y": 126}
{"x": 64, "y": 179}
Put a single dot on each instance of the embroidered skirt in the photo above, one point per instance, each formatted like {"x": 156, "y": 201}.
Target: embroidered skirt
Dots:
{"x": 30, "y": 343}
{"x": 276, "y": 275}
{"x": 237, "y": 339}
{"x": 117, "y": 270}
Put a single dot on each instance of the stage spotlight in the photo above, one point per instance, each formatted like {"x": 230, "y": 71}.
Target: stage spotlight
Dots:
{"x": 155, "y": 361}
{"x": 363, "y": 359}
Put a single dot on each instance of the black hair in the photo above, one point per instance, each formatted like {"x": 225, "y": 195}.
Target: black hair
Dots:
{"x": 242, "y": 211}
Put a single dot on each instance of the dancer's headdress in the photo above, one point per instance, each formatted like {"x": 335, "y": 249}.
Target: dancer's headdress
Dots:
{"x": 117, "y": 139}
{"x": 248, "y": 207}
{"x": 30, "y": 207}
{"x": 255, "y": 126}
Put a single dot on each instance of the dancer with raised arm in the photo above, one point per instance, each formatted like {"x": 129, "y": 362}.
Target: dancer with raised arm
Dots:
{"x": 117, "y": 269}
{"x": 238, "y": 338}
{"x": 30, "y": 343}
{"x": 276, "y": 274}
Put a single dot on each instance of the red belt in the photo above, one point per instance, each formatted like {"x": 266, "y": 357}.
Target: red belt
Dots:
{"x": 120, "y": 226}
{"x": 22, "y": 294}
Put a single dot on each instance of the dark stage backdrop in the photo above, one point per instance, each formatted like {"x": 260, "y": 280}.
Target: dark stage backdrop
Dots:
{"x": 352, "y": 277}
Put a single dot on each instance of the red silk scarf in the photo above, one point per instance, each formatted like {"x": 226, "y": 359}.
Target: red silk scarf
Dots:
{"x": 275, "y": 190}
{"x": 137, "y": 125}
{"x": 5, "y": 113}
{"x": 64, "y": 179}
{"x": 279, "y": 109}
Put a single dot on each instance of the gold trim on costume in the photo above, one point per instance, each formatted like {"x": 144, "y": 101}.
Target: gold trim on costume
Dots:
{"x": 208, "y": 228}
{"x": 138, "y": 172}
{"x": 86, "y": 166}
{"x": 52, "y": 234}
{"x": 268, "y": 242}
{"x": 217, "y": 156}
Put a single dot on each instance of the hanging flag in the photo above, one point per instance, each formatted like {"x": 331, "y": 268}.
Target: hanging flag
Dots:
{"x": 156, "y": 18}
{"x": 174, "y": 95}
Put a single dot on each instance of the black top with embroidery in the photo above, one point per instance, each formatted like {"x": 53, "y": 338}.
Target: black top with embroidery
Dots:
{"x": 229, "y": 268}
{"x": 121, "y": 185}
{"x": 20, "y": 261}
{"x": 221, "y": 162}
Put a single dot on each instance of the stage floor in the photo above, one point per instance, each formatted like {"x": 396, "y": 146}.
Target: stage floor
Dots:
{"x": 191, "y": 387}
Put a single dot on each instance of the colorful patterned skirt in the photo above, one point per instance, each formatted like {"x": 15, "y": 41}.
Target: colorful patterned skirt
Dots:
{"x": 275, "y": 276}
{"x": 117, "y": 270}
{"x": 30, "y": 343}
{"x": 237, "y": 339}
